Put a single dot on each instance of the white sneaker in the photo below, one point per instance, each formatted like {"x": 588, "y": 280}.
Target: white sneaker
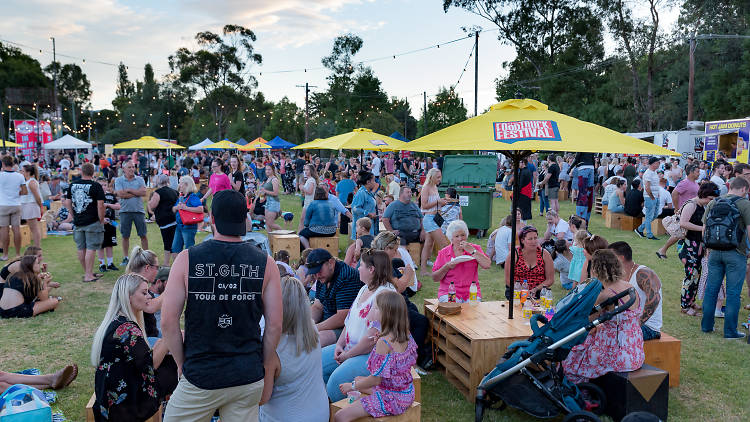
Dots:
{"x": 718, "y": 314}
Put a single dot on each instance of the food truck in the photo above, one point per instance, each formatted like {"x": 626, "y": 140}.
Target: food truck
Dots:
{"x": 731, "y": 137}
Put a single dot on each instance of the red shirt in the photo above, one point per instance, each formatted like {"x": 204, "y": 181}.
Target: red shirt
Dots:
{"x": 533, "y": 276}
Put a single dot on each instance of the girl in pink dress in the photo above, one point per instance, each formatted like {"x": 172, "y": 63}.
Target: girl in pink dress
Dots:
{"x": 616, "y": 345}
{"x": 390, "y": 387}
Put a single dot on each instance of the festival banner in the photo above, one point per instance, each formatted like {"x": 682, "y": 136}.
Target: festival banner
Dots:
{"x": 526, "y": 130}
{"x": 30, "y": 132}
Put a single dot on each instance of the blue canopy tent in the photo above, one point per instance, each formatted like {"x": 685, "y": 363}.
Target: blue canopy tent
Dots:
{"x": 399, "y": 136}
{"x": 278, "y": 143}
{"x": 241, "y": 141}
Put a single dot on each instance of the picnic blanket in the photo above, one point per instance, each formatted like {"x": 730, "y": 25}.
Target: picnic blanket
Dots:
{"x": 59, "y": 233}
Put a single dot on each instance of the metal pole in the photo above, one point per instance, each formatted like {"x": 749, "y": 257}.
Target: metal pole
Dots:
{"x": 691, "y": 79}
{"x": 90, "y": 118}
{"x": 73, "y": 113}
{"x": 58, "y": 108}
{"x": 424, "y": 113}
{"x": 476, "y": 71}
{"x": 516, "y": 156}
{"x": 38, "y": 134}
{"x": 307, "y": 112}
{"x": 2, "y": 126}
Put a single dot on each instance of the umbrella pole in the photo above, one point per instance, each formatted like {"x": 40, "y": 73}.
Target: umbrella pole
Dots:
{"x": 516, "y": 156}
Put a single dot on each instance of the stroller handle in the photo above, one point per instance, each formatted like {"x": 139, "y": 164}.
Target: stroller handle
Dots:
{"x": 606, "y": 316}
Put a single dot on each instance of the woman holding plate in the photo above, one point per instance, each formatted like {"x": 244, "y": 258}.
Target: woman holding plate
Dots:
{"x": 459, "y": 263}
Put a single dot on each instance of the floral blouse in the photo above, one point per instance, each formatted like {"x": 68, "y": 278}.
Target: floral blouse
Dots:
{"x": 125, "y": 382}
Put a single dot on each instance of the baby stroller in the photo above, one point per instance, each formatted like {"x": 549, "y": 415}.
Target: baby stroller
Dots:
{"x": 529, "y": 376}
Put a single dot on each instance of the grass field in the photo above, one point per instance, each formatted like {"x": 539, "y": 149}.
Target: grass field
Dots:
{"x": 712, "y": 378}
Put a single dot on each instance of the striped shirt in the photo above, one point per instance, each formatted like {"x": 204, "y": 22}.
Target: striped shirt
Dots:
{"x": 340, "y": 292}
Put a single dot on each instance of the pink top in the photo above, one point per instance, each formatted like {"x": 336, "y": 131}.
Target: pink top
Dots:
{"x": 461, "y": 275}
{"x": 686, "y": 191}
{"x": 219, "y": 182}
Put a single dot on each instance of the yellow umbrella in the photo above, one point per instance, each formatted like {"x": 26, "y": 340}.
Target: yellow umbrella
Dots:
{"x": 147, "y": 143}
{"x": 360, "y": 138}
{"x": 8, "y": 144}
{"x": 252, "y": 146}
{"x": 223, "y": 145}
{"x": 310, "y": 145}
{"x": 528, "y": 125}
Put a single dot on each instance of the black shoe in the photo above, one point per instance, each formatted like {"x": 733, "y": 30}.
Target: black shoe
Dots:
{"x": 653, "y": 238}
{"x": 112, "y": 267}
{"x": 125, "y": 260}
{"x": 639, "y": 233}
{"x": 102, "y": 268}
{"x": 736, "y": 336}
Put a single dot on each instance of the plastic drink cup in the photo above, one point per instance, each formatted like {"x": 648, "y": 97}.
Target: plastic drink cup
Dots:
{"x": 352, "y": 396}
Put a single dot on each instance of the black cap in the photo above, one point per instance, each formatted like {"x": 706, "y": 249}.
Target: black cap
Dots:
{"x": 652, "y": 160}
{"x": 229, "y": 210}
{"x": 316, "y": 259}
{"x": 162, "y": 274}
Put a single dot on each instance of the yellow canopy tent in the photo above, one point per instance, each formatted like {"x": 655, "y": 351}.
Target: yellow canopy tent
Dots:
{"x": 147, "y": 143}
{"x": 8, "y": 144}
{"x": 255, "y": 145}
{"x": 310, "y": 145}
{"x": 520, "y": 127}
{"x": 360, "y": 138}
{"x": 225, "y": 144}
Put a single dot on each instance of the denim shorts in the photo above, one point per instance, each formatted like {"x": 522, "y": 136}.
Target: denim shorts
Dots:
{"x": 273, "y": 204}
{"x": 428, "y": 222}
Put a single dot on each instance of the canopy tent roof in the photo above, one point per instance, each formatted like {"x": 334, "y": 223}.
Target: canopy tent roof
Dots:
{"x": 399, "y": 136}
{"x": 67, "y": 142}
{"x": 310, "y": 145}
{"x": 278, "y": 143}
{"x": 258, "y": 139}
{"x": 8, "y": 144}
{"x": 241, "y": 141}
{"x": 147, "y": 143}
{"x": 225, "y": 144}
{"x": 255, "y": 145}
{"x": 360, "y": 138}
{"x": 200, "y": 144}
{"x": 528, "y": 125}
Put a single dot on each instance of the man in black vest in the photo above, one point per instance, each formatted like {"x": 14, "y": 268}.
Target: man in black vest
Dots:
{"x": 228, "y": 285}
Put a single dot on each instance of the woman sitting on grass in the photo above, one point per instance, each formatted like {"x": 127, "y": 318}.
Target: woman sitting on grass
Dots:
{"x": 127, "y": 385}
{"x": 26, "y": 293}
{"x": 56, "y": 381}
{"x": 15, "y": 265}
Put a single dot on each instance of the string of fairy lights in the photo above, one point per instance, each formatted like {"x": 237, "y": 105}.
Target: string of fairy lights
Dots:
{"x": 296, "y": 116}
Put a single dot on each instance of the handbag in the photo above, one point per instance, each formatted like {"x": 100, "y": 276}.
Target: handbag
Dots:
{"x": 438, "y": 219}
{"x": 189, "y": 218}
{"x": 672, "y": 224}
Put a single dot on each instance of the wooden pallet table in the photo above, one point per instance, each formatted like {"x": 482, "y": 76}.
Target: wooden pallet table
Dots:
{"x": 470, "y": 343}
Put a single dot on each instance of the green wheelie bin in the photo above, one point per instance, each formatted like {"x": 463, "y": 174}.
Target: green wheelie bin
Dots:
{"x": 473, "y": 177}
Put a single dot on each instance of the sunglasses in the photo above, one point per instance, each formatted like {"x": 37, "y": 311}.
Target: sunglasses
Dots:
{"x": 316, "y": 263}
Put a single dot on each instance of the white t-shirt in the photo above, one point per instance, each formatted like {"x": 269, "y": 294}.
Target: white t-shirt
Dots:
{"x": 406, "y": 257}
{"x": 561, "y": 227}
{"x": 611, "y": 185}
{"x": 652, "y": 178}
{"x": 10, "y": 184}
{"x": 65, "y": 163}
{"x": 720, "y": 183}
{"x": 655, "y": 322}
{"x": 701, "y": 175}
{"x": 502, "y": 244}
{"x": 376, "y": 164}
{"x": 394, "y": 189}
{"x": 664, "y": 198}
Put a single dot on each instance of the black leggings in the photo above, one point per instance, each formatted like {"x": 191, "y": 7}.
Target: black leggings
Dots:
{"x": 418, "y": 326}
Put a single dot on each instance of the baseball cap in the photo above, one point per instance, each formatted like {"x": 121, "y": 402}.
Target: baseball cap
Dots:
{"x": 162, "y": 274}
{"x": 316, "y": 259}
{"x": 229, "y": 210}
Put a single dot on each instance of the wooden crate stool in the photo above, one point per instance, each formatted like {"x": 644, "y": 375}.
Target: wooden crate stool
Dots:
{"x": 664, "y": 353}
{"x": 287, "y": 242}
{"x": 629, "y": 223}
{"x": 90, "y": 412}
{"x": 612, "y": 220}
{"x": 604, "y": 211}
{"x": 55, "y": 206}
{"x": 329, "y": 243}
{"x": 417, "y": 385}
{"x": 657, "y": 228}
{"x": 598, "y": 205}
{"x": 415, "y": 251}
{"x": 44, "y": 228}
{"x": 413, "y": 414}
{"x": 25, "y": 236}
{"x": 564, "y": 195}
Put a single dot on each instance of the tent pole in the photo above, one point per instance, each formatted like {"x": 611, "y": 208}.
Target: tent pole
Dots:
{"x": 516, "y": 156}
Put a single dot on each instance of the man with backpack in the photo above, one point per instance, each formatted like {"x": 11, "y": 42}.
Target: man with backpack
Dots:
{"x": 726, "y": 223}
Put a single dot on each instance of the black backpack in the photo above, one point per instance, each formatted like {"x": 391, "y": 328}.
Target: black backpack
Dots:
{"x": 724, "y": 229}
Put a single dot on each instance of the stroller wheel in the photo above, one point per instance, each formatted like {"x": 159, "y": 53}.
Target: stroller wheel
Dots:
{"x": 479, "y": 405}
{"x": 581, "y": 416}
{"x": 593, "y": 397}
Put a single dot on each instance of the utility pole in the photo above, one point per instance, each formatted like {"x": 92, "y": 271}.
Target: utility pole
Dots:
{"x": 91, "y": 118}
{"x": 307, "y": 87}
{"x": 476, "y": 71}
{"x": 691, "y": 79}
{"x": 406, "y": 115}
{"x": 58, "y": 108}
{"x": 424, "y": 113}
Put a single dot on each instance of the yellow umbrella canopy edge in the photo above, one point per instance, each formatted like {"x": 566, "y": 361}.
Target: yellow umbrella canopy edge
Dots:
{"x": 363, "y": 139}
{"x": 528, "y": 125}
{"x": 309, "y": 145}
{"x": 8, "y": 144}
{"x": 223, "y": 145}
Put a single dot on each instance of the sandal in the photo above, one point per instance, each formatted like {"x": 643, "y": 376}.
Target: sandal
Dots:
{"x": 747, "y": 307}
{"x": 694, "y": 312}
{"x": 661, "y": 256}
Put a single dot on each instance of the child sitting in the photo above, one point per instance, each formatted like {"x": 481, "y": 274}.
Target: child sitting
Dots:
{"x": 302, "y": 273}
{"x": 562, "y": 256}
{"x": 282, "y": 258}
{"x": 364, "y": 240}
{"x": 616, "y": 345}
{"x": 391, "y": 386}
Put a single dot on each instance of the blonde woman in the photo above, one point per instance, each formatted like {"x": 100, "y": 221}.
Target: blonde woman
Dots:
{"x": 298, "y": 393}
{"x": 31, "y": 203}
{"x": 431, "y": 202}
{"x": 189, "y": 200}
{"x": 308, "y": 190}
{"x": 271, "y": 190}
{"x": 145, "y": 263}
{"x": 126, "y": 385}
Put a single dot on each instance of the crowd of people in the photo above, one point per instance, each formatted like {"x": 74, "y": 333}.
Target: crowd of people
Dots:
{"x": 284, "y": 340}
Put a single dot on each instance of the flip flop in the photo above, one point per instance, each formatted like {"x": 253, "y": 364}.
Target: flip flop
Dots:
{"x": 98, "y": 275}
{"x": 660, "y": 255}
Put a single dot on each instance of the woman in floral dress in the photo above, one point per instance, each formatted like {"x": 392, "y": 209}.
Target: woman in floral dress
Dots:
{"x": 616, "y": 345}
{"x": 131, "y": 379}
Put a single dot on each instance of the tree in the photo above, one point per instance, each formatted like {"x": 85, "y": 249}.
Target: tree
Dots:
{"x": 381, "y": 122}
{"x": 124, "y": 90}
{"x": 19, "y": 70}
{"x": 445, "y": 110}
{"x": 340, "y": 60}
{"x": 287, "y": 121}
{"x": 222, "y": 60}
{"x": 401, "y": 111}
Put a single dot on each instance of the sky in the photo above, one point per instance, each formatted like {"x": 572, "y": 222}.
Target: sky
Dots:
{"x": 292, "y": 34}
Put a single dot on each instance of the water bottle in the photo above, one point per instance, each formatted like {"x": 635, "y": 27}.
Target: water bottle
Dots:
{"x": 524, "y": 292}
{"x": 473, "y": 293}
{"x": 517, "y": 291}
{"x": 451, "y": 293}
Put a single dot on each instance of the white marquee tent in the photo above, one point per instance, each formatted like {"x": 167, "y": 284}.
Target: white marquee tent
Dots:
{"x": 67, "y": 142}
{"x": 200, "y": 145}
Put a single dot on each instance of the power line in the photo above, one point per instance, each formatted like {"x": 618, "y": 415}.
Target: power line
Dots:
{"x": 471, "y": 53}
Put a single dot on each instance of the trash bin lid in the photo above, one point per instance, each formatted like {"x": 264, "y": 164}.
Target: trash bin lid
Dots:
{"x": 475, "y": 170}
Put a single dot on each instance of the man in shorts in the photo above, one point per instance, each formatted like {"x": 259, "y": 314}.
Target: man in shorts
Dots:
{"x": 85, "y": 198}
{"x": 12, "y": 186}
{"x": 131, "y": 189}
{"x": 225, "y": 286}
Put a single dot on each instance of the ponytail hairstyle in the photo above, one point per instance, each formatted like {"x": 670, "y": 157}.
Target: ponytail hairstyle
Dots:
{"x": 140, "y": 258}
{"x": 394, "y": 319}
{"x": 119, "y": 303}
{"x": 430, "y": 178}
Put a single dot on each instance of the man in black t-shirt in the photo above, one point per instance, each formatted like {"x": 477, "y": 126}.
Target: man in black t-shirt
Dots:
{"x": 553, "y": 182}
{"x": 85, "y": 198}
{"x": 299, "y": 169}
